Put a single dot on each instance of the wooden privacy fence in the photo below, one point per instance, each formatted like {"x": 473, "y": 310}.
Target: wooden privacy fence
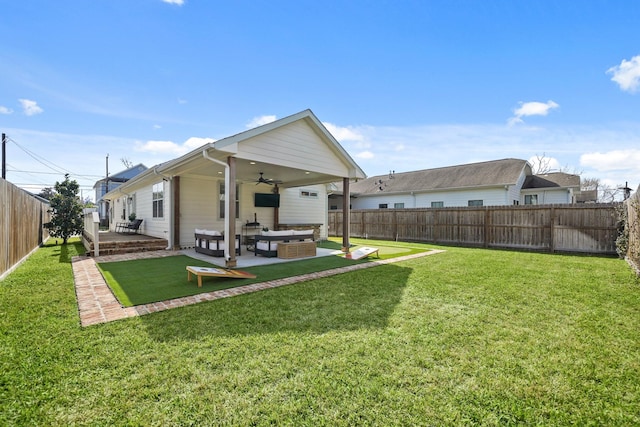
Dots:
{"x": 21, "y": 219}
{"x": 549, "y": 228}
{"x": 633, "y": 227}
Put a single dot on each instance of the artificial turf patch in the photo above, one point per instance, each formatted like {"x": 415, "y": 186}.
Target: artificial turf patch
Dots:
{"x": 145, "y": 281}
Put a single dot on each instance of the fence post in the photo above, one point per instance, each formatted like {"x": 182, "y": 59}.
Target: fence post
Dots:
{"x": 553, "y": 229}
{"x": 487, "y": 220}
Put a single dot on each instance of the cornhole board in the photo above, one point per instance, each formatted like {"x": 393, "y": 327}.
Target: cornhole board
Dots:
{"x": 362, "y": 253}
{"x": 216, "y": 272}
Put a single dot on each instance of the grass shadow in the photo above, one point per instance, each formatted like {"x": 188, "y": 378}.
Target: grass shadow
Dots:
{"x": 363, "y": 299}
{"x": 62, "y": 251}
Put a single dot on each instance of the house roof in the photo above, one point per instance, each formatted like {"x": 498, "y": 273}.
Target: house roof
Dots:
{"x": 123, "y": 175}
{"x": 484, "y": 174}
{"x": 553, "y": 179}
{"x": 255, "y": 151}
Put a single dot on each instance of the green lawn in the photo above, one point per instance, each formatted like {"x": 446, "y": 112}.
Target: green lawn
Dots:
{"x": 159, "y": 279}
{"x": 466, "y": 337}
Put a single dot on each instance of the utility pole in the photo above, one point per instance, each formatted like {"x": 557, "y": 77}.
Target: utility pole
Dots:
{"x": 107, "y": 176}
{"x": 4, "y": 156}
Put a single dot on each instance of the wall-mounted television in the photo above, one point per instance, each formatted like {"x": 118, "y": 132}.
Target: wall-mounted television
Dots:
{"x": 266, "y": 200}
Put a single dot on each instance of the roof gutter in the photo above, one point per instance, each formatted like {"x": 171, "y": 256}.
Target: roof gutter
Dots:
{"x": 227, "y": 237}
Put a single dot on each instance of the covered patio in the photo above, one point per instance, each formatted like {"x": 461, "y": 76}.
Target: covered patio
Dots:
{"x": 293, "y": 158}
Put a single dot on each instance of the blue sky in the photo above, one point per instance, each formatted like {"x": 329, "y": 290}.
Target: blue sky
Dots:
{"x": 403, "y": 85}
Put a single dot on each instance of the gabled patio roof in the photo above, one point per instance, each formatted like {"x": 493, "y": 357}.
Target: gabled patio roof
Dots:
{"x": 267, "y": 149}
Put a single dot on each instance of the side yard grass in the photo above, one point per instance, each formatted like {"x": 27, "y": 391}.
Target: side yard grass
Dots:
{"x": 466, "y": 337}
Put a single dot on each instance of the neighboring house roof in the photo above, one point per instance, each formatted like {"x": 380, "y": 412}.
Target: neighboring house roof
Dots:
{"x": 484, "y": 174}
{"x": 123, "y": 176}
{"x": 38, "y": 197}
{"x": 553, "y": 179}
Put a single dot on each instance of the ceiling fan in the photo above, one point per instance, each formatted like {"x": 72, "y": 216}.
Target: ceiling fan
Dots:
{"x": 263, "y": 180}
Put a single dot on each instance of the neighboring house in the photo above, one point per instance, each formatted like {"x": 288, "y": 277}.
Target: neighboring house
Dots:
{"x": 295, "y": 157}
{"x": 492, "y": 183}
{"x": 550, "y": 188}
{"x": 103, "y": 186}
{"x": 587, "y": 196}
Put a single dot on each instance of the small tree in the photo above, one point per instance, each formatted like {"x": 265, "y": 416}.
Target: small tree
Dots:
{"x": 46, "y": 193}
{"x": 66, "y": 210}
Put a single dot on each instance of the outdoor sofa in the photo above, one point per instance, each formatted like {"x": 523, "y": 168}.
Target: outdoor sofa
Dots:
{"x": 211, "y": 242}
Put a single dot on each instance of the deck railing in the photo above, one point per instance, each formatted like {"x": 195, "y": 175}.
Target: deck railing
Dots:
{"x": 91, "y": 231}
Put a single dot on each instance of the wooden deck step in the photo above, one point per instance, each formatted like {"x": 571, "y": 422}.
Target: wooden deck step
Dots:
{"x": 130, "y": 246}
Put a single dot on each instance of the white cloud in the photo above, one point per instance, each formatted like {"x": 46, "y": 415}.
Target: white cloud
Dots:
{"x": 159, "y": 147}
{"x": 29, "y": 107}
{"x": 5, "y": 110}
{"x": 533, "y": 108}
{"x": 343, "y": 133}
{"x": 260, "y": 120}
{"x": 627, "y": 74}
{"x": 614, "y": 160}
{"x": 182, "y": 101}
{"x": 170, "y": 147}
{"x": 178, "y": 2}
{"x": 365, "y": 155}
{"x": 195, "y": 142}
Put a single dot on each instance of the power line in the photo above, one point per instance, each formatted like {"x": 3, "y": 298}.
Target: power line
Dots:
{"x": 55, "y": 173}
{"x": 45, "y": 162}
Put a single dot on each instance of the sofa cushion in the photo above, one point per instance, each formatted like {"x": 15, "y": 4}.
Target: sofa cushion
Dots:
{"x": 298, "y": 232}
{"x": 277, "y": 233}
{"x": 208, "y": 232}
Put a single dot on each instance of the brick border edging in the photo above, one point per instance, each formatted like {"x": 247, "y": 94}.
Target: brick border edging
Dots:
{"x": 97, "y": 303}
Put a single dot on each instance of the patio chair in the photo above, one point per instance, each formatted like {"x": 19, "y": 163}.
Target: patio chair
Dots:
{"x": 128, "y": 227}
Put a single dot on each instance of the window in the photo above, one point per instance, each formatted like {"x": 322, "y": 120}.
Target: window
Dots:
{"x": 531, "y": 199}
{"x": 223, "y": 201}
{"x": 333, "y": 207}
{"x": 516, "y": 202}
{"x": 437, "y": 204}
{"x": 398, "y": 205}
{"x": 158, "y": 200}
{"x": 474, "y": 203}
{"x": 383, "y": 206}
{"x": 309, "y": 194}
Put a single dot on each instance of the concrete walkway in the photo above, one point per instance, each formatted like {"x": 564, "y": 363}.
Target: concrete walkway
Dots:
{"x": 97, "y": 304}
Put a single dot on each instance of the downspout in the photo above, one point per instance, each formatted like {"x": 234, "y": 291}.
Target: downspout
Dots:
{"x": 227, "y": 238}
{"x": 171, "y": 201}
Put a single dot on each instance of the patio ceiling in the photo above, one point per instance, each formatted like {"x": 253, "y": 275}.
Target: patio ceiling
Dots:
{"x": 248, "y": 171}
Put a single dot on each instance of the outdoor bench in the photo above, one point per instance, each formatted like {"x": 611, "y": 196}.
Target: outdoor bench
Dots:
{"x": 211, "y": 242}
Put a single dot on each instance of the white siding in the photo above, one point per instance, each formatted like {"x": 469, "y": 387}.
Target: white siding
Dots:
{"x": 142, "y": 206}
{"x": 490, "y": 197}
{"x": 295, "y": 145}
{"x": 199, "y": 207}
{"x": 514, "y": 190}
{"x": 372, "y": 202}
{"x": 549, "y": 197}
{"x": 156, "y": 227}
{"x": 295, "y": 209}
